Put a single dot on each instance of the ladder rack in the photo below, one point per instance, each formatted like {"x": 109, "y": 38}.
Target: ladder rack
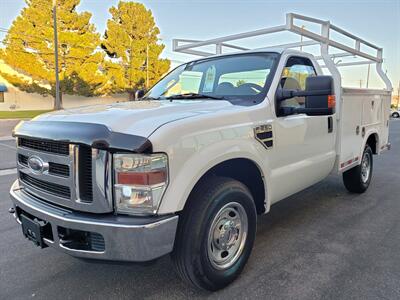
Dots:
{"x": 324, "y": 39}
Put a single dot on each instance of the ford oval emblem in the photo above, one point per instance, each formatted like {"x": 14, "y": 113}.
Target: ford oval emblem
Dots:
{"x": 37, "y": 165}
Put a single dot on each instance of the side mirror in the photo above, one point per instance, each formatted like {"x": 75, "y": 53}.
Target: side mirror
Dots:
{"x": 319, "y": 96}
{"x": 139, "y": 94}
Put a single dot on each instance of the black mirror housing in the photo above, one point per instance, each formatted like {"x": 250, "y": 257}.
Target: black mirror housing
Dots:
{"x": 139, "y": 94}
{"x": 319, "y": 98}
{"x": 283, "y": 94}
{"x": 319, "y": 95}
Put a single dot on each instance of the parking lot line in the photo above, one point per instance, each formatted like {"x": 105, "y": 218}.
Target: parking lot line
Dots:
{"x": 8, "y": 172}
{"x": 7, "y": 146}
{"x": 6, "y": 138}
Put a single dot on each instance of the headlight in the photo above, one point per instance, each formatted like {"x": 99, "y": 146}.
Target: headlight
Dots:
{"x": 140, "y": 182}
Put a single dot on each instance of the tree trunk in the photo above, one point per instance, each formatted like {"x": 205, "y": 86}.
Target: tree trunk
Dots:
{"x": 131, "y": 96}
{"x": 61, "y": 99}
{"x": 54, "y": 102}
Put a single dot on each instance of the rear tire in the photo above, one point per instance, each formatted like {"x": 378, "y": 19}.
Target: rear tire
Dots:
{"x": 215, "y": 234}
{"x": 396, "y": 115}
{"x": 357, "y": 179}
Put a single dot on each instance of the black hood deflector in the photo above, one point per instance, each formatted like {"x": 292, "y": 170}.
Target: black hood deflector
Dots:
{"x": 94, "y": 135}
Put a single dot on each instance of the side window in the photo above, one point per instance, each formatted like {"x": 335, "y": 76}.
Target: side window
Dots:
{"x": 294, "y": 77}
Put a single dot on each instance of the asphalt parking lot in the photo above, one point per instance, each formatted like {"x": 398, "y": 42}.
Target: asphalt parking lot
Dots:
{"x": 322, "y": 243}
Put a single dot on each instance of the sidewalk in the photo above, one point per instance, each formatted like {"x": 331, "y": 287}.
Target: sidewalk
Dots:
{"x": 6, "y": 127}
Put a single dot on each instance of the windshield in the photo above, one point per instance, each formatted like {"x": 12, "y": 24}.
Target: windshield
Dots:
{"x": 244, "y": 77}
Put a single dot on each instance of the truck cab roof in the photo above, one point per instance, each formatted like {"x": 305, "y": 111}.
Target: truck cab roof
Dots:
{"x": 259, "y": 50}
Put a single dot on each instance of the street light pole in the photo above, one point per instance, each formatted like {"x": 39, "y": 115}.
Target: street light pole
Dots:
{"x": 147, "y": 67}
{"x": 57, "y": 103}
{"x": 301, "y": 38}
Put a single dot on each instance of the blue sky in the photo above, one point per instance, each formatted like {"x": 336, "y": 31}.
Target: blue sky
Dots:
{"x": 376, "y": 21}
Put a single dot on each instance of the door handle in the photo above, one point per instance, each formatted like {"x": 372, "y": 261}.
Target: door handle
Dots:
{"x": 330, "y": 124}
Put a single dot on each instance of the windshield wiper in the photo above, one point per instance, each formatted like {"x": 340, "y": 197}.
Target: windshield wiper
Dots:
{"x": 194, "y": 96}
{"x": 150, "y": 98}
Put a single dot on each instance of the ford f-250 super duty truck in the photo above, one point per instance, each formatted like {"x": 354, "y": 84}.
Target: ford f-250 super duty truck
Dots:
{"x": 188, "y": 168}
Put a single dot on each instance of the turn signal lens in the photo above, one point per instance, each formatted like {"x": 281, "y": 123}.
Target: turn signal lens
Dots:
{"x": 141, "y": 178}
{"x": 331, "y": 101}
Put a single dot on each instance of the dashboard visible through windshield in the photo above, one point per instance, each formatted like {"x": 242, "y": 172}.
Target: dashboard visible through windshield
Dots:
{"x": 243, "y": 78}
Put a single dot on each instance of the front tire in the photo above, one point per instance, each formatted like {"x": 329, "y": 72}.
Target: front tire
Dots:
{"x": 395, "y": 115}
{"x": 215, "y": 234}
{"x": 357, "y": 179}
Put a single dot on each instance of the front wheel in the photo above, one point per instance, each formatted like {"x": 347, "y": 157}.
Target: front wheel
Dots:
{"x": 396, "y": 115}
{"x": 357, "y": 179}
{"x": 216, "y": 233}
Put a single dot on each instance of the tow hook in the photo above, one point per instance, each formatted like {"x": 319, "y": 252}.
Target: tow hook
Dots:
{"x": 11, "y": 210}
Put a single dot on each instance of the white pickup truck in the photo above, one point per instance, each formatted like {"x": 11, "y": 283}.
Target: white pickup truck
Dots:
{"x": 189, "y": 167}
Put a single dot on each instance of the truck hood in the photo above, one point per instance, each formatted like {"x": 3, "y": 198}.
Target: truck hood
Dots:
{"x": 139, "y": 118}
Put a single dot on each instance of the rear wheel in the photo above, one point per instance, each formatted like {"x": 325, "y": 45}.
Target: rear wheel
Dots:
{"x": 215, "y": 234}
{"x": 357, "y": 179}
{"x": 395, "y": 115}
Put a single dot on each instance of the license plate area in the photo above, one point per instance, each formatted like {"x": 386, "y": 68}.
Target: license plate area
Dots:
{"x": 35, "y": 230}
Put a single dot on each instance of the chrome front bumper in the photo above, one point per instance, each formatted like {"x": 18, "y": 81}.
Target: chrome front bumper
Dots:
{"x": 125, "y": 238}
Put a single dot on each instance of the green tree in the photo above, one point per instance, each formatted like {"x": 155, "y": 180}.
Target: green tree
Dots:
{"x": 29, "y": 49}
{"x": 240, "y": 82}
{"x": 132, "y": 45}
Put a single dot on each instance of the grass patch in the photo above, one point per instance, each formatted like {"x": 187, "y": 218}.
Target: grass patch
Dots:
{"x": 21, "y": 114}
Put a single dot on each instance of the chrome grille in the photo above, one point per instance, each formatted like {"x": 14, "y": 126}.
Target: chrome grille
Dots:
{"x": 45, "y": 146}
{"x": 78, "y": 179}
{"x": 58, "y": 169}
{"x": 22, "y": 159}
{"x": 48, "y": 187}
{"x": 54, "y": 168}
{"x": 85, "y": 174}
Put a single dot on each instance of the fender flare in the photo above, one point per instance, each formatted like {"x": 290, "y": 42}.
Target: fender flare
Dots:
{"x": 213, "y": 163}
{"x": 369, "y": 133}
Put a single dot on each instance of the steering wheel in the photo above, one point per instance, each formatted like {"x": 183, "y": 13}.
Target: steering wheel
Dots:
{"x": 251, "y": 86}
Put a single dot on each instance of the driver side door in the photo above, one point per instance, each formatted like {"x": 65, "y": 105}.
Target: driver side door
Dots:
{"x": 304, "y": 146}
